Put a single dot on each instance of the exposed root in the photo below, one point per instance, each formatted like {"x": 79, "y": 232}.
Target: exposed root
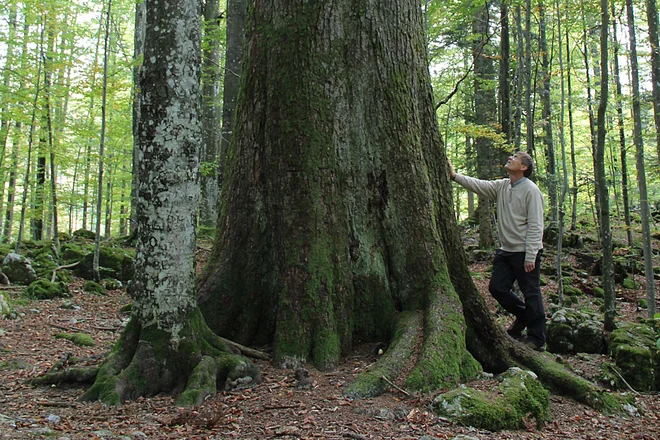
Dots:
{"x": 370, "y": 383}
{"x": 145, "y": 362}
{"x": 80, "y": 375}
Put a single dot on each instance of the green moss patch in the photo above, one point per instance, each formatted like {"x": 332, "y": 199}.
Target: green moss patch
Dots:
{"x": 44, "y": 289}
{"x": 93, "y": 287}
{"x": 80, "y": 339}
{"x": 518, "y": 396}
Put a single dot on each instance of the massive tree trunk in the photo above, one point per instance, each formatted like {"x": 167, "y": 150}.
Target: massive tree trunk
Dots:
{"x": 336, "y": 216}
{"x": 167, "y": 345}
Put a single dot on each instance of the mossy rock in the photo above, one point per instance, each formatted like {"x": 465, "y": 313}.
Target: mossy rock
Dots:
{"x": 111, "y": 284}
{"x": 629, "y": 283}
{"x": 570, "y": 300}
{"x": 84, "y": 234}
{"x": 518, "y": 396}
{"x": 643, "y": 303}
{"x": 572, "y": 331}
{"x": 598, "y": 292}
{"x": 634, "y": 350}
{"x": 113, "y": 263}
{"x": 73, "y": 251}
{"x": 93, "y": 287}
{"x": 43, "y": 265}
{"x": 572, "y": 291}
{"x": 5, "y": 307}
{"x": 44, "y": 289}
{"x": 79, "y": 339}
{"x": 18, "y": 269}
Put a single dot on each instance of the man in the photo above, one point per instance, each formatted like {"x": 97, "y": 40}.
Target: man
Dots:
{"x": 520, "y": 228}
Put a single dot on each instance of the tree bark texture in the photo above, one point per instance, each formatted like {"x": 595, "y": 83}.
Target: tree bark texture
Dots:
{"x": 329, "y": 221}
{"x": 236, "y": 15}
{"x": 167, "y": 345}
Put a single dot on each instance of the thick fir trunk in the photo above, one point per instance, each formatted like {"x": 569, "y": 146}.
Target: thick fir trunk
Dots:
{"x": 167, "y": 346}
{"x": 328, "y": 223}
{"x": 236, "y": 15}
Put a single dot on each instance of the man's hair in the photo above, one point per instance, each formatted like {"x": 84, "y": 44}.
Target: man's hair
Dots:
{"x": 526, "y": 160}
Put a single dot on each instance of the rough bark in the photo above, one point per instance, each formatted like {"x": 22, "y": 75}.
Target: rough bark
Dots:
{"x": 328, "y": 224}
{"x": 167, "y": 346}
{"x": 337, "y": 214}
{"x": 236, "y": 16}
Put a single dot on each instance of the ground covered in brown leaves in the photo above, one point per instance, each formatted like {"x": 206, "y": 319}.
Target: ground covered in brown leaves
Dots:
{"x": 281, "y": 407}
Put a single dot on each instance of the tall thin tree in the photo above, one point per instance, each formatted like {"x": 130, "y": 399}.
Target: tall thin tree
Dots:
{"x": 647, "y": 246}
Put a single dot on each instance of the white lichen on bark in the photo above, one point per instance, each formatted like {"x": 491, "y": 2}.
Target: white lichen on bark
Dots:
{"x": 168, "y": 169}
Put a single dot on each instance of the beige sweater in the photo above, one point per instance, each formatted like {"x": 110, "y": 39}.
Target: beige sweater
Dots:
{"x": 519, "y": 212}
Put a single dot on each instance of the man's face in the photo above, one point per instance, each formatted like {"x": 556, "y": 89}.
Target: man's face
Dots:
{"x": 514, "y": 164}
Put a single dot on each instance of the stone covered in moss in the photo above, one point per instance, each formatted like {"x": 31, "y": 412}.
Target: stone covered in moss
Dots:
{"x": 84, "y": 234}
{"x": 111, "y": 284}
{"x": 44, "y": 289}
{"x": 74, "y": 251}
{"x": 80, "y": 339}
{"x": 519, "y": 395}
{"x": 113, "y": 263}
{"x": 634, "y": 350}
{"x": 629, "y": 283}
{"x": 575, "y": 331}
{"x": 93, "y": 287}
{"x": 18, "y": 269}
{"x": 5, "y": 308}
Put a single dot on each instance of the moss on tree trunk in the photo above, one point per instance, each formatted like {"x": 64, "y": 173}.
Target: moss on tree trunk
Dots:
{"x": 146, "y": 361}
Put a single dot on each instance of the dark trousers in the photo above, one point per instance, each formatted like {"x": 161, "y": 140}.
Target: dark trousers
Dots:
{"x": 507, "y": 268}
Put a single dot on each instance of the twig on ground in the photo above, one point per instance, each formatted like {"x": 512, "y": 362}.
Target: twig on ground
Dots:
{"x": 624, "y": 381}
{"x": 249, "y": 352}
{"x": 66, "y": 266}
{"x": 394, "y": 386}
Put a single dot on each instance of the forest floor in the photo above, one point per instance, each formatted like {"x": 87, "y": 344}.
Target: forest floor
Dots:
{"x": 275, "y": 409}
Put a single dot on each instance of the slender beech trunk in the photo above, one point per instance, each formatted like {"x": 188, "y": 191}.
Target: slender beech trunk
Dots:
{"x": 48, "y": 59}
{"x": 529, "y": 116}
{"x": 99, "y": 191}
{"x": 562, "y": 142}
{"x": 601, "y": 177}
{"x": 546, "y": 115}
{"x": 11, "y": 184}
{"x": 647, "y": 246}
{"x": 5, "y": 104}
{"x": 211, "y": 79}
{"x": 26, "y": 179}
{"x": 592, "y": 125}
{"x": 571, "y": 131}
{"x": 622, "y": 134}
{"x": 520, "y": 74}
{"x": 505, "y": 66}
{"x": 652, "y": 15}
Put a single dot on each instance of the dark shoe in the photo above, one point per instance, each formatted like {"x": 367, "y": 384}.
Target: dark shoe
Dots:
{"x": 515, "y": 329}
{"x": 535, "y": 346}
